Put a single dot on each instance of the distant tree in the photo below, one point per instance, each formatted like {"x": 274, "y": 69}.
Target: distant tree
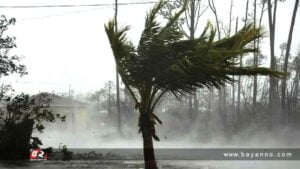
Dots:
{"x": 189, "y": 22}
{"x": 294, "y": 92}
{"x": 256, "y": 54}
{"x": 221, "y": 108}
{"x": 164, "y": 62}
{"x": 95, "y": 98}
{"x": 105, "y": 99}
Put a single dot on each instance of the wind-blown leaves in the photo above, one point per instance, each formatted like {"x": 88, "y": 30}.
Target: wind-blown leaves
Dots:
{"x": 164, "y": 60}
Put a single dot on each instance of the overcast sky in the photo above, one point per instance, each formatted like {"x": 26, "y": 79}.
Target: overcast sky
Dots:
{"x": 65, "y": 47}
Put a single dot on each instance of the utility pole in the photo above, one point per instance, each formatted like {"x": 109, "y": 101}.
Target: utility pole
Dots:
{"x": 117, "y": 73}
{"x": 192, "y": 34}
{"x": 255, "y": 64}
{"x": 69, "y": 91}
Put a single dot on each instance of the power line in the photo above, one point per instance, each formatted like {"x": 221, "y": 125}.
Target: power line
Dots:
{"x": 63, "y": 14}
{"x": 79, "y": 5}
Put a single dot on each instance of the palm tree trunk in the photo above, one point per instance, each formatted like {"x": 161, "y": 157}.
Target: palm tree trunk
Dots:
{"x": 147, "y": 128}
{"x": 147, "y": 131}
{"x": 149, "y": 156}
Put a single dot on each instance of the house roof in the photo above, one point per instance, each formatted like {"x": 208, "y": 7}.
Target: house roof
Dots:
{"x": 60, "y": 101}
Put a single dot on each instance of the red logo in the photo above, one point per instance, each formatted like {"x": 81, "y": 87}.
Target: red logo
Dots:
{"x": 38, "y": 154}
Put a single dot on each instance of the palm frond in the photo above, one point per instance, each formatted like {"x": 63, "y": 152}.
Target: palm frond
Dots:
{"x": 124, "y": 53}
{"x": 252, "y": 71}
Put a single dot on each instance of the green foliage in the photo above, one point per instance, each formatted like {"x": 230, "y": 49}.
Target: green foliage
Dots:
{"x": 35, "y": 142}
{"x": 8, "y": 64}
{"x": 23, "y": 107}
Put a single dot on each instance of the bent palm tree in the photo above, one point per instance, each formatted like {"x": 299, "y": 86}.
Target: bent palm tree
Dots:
{"x": 163, "y": 62}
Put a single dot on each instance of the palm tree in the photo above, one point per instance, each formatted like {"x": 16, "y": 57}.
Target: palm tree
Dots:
{"x": 164, "y": 62}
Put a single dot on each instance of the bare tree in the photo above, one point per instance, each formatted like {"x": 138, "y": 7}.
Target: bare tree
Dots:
{"x": 273, "y": 96}
{"x": 221, "y": 92}
{"x": 293, "y": 94}
{"x": 286, "y": 60}
{"x": 256, "y": 54}
{"x": 233, "y": 85}
{"x": 241, "y": 64}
